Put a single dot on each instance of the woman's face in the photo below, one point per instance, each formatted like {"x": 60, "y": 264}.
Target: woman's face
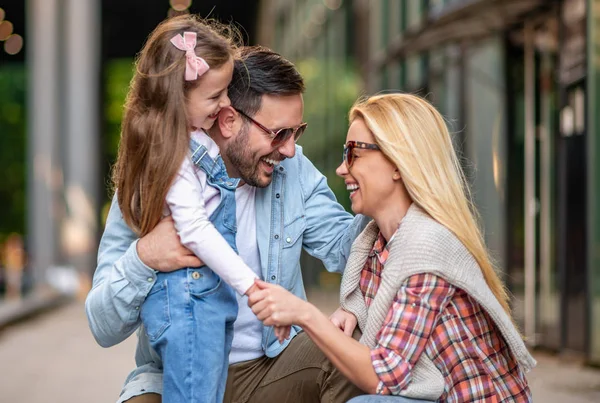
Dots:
{"x": 370, "y": 179}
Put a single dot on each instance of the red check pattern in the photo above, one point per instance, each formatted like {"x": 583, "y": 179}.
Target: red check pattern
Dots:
{"x": 430, "y": 316}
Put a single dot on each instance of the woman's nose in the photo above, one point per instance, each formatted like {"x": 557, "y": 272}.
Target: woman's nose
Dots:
{"x": 342, "y": 170}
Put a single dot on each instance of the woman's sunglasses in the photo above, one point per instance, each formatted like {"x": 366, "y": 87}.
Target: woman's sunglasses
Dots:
{"x": 351, "y": 145}
{"x": 279, "y": 136}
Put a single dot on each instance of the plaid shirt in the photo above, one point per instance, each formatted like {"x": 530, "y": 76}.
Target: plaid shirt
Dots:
{"x": 430, "y": 316}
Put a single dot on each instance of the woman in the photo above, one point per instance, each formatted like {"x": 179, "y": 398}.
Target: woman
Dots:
{"x": 434, "y": 315}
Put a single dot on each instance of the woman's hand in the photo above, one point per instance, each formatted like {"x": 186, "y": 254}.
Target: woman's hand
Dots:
{"x": 275, "y": 306}
{"x": 344, "y": 320}
{"x": 281, "y": 332}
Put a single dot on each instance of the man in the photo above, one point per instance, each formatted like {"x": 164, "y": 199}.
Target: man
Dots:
{"x": 290, "y": 207}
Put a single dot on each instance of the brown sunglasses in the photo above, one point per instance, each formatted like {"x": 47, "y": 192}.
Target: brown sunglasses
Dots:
{"x": 351, "y": 145}
{"x": 279, "y": 136}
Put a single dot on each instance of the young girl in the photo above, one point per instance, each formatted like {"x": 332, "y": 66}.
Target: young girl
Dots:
{"x": 179, "y": 87}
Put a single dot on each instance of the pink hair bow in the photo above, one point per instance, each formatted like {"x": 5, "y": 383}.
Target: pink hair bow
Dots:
{"x": 195, "y": 66}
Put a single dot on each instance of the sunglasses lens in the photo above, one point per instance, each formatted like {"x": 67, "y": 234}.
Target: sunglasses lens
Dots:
{"x": 299, "y": 132}
{"x": 283, "y": 135}
{"x": 348, "y": 156}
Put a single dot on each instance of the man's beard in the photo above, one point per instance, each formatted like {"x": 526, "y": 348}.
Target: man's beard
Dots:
{"x": 245, "y": 162}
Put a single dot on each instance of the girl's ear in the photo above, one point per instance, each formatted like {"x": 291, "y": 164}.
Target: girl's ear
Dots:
{"x": 228, "y": 122}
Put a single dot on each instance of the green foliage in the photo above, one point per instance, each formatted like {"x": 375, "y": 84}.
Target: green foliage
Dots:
{"x": 13, "y": 145}
{"x": 332, "y": 87}
{"x": 117, "y": 75}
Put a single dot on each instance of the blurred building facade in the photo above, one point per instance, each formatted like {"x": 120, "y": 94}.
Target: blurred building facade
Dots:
{"x": 517, "y": 79}
{"x": 518, "y": 82}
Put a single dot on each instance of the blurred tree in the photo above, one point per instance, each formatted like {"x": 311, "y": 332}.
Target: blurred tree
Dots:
{"x": 327, "y": 102}
{"x": 13, "y": 170}
{"x": 117, "y": 75}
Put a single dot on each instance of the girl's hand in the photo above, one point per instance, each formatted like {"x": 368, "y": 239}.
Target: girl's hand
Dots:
{"x": 275, "y": 306}
{"x": 282, "y": 333}
{"x": 344, "y": 320}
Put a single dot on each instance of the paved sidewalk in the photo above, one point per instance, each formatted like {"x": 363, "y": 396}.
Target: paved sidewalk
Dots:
{"x": 54, "y": 358}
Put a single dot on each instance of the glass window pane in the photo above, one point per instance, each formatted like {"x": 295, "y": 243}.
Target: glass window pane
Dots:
{"x": 486, "y": 149}
{"x": 414, "y": 9}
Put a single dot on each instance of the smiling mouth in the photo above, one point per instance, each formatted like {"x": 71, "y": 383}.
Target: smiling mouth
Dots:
{"x": 270, "y": 162}
{"x": 352, "y": 188}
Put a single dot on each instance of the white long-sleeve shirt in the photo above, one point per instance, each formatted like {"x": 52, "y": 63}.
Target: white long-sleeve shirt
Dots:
{"x": 190, "y": 201}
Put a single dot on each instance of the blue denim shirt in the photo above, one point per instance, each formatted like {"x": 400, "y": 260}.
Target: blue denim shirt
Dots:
{"x": 297, "y": 210}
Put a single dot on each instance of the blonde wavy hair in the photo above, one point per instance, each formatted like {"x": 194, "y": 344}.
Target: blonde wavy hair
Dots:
{"x": 413, "y": 135}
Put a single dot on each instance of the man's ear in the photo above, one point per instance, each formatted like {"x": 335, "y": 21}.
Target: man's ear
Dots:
{"x": 228, "y": 122}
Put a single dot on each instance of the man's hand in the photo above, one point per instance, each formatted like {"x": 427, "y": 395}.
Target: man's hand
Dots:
{"x": 344, "y": 320}
{"x": 162, "y": 250}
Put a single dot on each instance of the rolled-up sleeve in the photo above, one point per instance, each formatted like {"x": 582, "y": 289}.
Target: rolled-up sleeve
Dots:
{"x": 120, "y": 285}
{"x": 407, "y": 328}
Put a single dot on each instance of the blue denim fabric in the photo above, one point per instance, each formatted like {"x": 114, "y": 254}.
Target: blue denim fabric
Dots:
{"x": 189, "y": 313}
{"x": 296, "y": 212}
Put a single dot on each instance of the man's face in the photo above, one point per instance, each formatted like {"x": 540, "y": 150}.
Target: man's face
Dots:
{"x": 250, "y": 151}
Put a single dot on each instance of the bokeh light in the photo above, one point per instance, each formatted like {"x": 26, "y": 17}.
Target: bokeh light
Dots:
{"x": 6, "y": 29}
{"x": 13, "y": 44}
{"x": 2, "y": 14}
{"x": 180, "y": 5}
{"x": 333, "y": 4}
{"x": 318, "y": 14}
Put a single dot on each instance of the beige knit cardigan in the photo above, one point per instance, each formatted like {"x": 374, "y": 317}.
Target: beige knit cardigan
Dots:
{"x": 421, "y": 245}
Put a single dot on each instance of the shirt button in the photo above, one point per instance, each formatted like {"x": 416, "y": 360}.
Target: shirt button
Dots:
{"x": 288, "y": 239}
{"x": 281, "y": 169}
{"x": 276, "y": 236}
{"x": 273, "y": 277}
{"x": 277, "y": 195}
{"x": 195, "y": 275}
{"x": 150, "y": 279}
{"x": 137, "y": 308}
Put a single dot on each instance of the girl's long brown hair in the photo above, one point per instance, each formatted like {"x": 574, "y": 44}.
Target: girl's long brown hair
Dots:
{"x": 155, "y": 132}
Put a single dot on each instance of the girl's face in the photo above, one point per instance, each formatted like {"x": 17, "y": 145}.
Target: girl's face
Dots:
{"x": 370, "y": 178}
{"x": 210, "y": 96}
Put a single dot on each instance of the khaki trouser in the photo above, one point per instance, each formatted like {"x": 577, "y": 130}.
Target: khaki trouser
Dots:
{"x": 301, "y": 373}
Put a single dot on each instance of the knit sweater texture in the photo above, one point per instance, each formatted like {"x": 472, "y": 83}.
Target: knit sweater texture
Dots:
{"x": 422, "y": 245}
